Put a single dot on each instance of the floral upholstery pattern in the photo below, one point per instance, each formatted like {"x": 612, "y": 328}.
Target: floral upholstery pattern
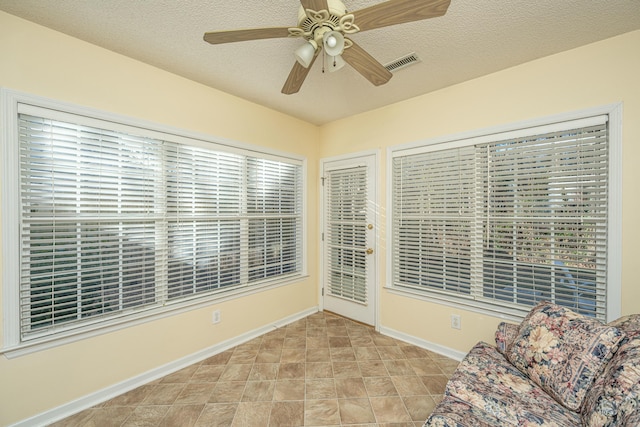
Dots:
{"x": 488, "y": 390}
{"x": 614, "y": 399}
{"x": 562, "y": 351}
{"x": 453, "y": 412}
{"x": 505, "y": 334}
{"x": 488, "y": 382}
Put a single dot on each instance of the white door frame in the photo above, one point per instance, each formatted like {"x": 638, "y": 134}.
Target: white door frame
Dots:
{"x": 376, "y": 222}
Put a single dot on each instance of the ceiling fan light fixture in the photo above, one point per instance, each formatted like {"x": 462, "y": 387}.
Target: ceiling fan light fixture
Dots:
{"x": 305, "y": 53}
{"x": 333, "y": 43}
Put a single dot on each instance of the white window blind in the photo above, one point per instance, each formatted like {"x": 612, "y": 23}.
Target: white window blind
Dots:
{"x": 346, "y": 233}
{"x": 113, "y": 223}
{"x": 433, "y": 219}
{"x": 510, "y": 222}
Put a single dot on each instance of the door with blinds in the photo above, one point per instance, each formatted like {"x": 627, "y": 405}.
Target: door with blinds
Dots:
{"x": 349, "y": 237}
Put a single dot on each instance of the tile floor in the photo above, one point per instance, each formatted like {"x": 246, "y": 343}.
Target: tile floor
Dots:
{"x": 323, "y": 370}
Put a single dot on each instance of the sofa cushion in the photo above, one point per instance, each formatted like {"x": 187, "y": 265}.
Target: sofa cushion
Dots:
{"x": 614, "y": 399}
{"x": 505, "y": 334}
{"x": 453, "y": 412}
{"x": 487, "y": 381}
{"x": 630, "y": 323}
{"x": 562, "y": 351}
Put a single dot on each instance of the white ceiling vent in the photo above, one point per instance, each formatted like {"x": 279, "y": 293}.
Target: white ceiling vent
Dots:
{"x": 403, "y": 62}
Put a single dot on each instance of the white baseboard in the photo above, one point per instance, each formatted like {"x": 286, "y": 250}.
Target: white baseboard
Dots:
{"x": 110, "y": 392}
{"x": 436, "y": 348}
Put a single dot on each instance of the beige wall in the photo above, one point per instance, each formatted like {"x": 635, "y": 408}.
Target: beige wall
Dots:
{"x": 594, "y": 75}
{"x": 49, "y": 64}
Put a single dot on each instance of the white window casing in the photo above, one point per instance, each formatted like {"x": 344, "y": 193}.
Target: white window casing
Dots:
{"x": 107, "y": 220}
{"x": 498, "y": 220}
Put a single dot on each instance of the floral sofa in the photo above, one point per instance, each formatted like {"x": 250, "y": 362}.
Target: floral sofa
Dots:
{"x": 557, "y": 368}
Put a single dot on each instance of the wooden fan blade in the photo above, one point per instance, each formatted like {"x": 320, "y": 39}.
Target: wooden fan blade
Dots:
{"x": 315, "y": 4}
{"x": 296, "y": 77}
{"x": 366, "y": 65}
{"x": 219, "y": 37}
{"x": 394, "y": 12}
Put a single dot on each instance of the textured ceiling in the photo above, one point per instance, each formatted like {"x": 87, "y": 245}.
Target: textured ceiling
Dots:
{"x": 474, "y": 38}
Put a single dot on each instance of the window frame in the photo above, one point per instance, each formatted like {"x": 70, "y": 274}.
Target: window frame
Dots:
{"x": 13, "y": 345}
{"x": 614, "y": 208}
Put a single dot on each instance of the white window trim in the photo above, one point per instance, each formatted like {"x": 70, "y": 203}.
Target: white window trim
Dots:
{"x": 10, "y": 215}
{"x": 614, "y": 243}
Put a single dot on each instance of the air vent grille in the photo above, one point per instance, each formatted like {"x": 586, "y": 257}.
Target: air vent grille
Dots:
{"x": 403, "y": 62}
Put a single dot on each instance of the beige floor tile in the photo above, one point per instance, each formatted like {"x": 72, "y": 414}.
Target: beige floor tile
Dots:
{"x": 207, "y": 373}
{"x": 236, "y": 372}
{"x": 227, "y": 391}
{"x": 291, "y": 371}
{"x": 321, "y": 412}
{"x": 264, "y": 372}
{"x": 287, "y": 414}
{"x": 109, "y": 416}
{"x": 195, "y": 393}
{"x": 317, "y": 342}
{"x": 252, "y": 414}
{"x": 413, "y": 352}
{"x": 76, "y": 420}
{"x": 342, "y": 354}
{"x": 347, "y": 388}
{"x": 219, "y": 359}
{"x": 318, "y": 355}
{"x": 146, "y": 416}
{"x": 337, "y": 331}
{"x": 356, "y": 411}
{"x": 182, "y": 415}
{"x": 373, "y": 368}
{"x": 380, "y": 386}
{"x": 181, "y": 376}
{"x": 163, "y": 394}
{"x": 366, "y": 353}
{"x": 289, "y": 390}
{"x": 292, "y": 355}
{"x": 391, "y": 352}
{"x": 244, "y": 356}
{"x": 339, "y": 342}
{"x": 217, "y": 415}
{"x": 435, "y": 383}
{"x": 321, "y": 389}
{"x": 410, "y": 385}
{"x": 131, "y": 398}
{"x": 419, "y": 407}
{"x": 269, "y": 355}
{"x": 346, "y": 369}
{"x": 295, "y": 342}
{"x": 398, "y": 367}
{"x": 319, "y": 370}
{"x": 389, "y": 410}
{"x": 259, "y": 391}
{"x": 424, "y": 367}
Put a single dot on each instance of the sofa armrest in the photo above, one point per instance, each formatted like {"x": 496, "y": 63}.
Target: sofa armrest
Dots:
{"x": 505, "y": 334}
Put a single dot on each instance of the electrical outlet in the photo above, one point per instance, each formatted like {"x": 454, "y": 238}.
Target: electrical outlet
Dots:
{"x": 216, "y": 316}
{"x": 456, "y": 322}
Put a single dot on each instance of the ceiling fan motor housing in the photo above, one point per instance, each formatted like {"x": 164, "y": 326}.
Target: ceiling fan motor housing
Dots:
{"x": 315, "y": 26}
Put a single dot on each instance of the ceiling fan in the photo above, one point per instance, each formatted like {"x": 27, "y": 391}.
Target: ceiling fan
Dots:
{"x": 323, "y": 24}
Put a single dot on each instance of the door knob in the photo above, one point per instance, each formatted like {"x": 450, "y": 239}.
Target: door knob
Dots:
{"x": 369, "y": 251}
